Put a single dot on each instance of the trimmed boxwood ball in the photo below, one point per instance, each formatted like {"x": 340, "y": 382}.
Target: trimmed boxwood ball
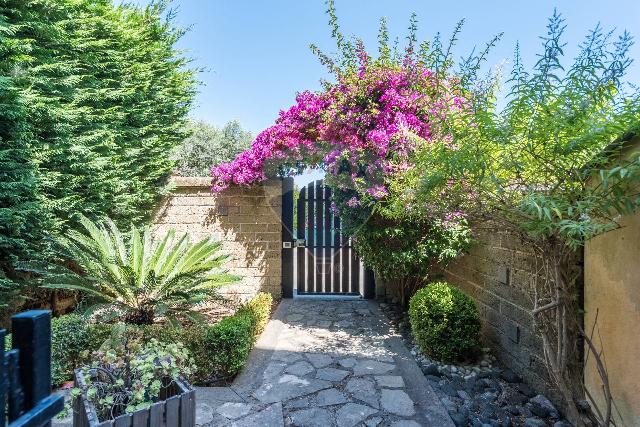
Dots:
{"x": 445, "y": 322}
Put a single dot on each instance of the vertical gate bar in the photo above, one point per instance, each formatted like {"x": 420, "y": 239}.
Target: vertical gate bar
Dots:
{"x": 300, "y": 236}
{"x": 15, "y": 399}
{"x": 309, "y": 287}
{"x": 369, "y": 284}
{"x": 3, "y": 381}
{"x": 344, "y": 248}
{"x": 355, "y": 271}
{"x": 32, "y": 338}
{"x": 287, "y": 236}
{"x": 335, "y": 254}
{"x": 327, "y": 240}
{"x": 319, "y": 226}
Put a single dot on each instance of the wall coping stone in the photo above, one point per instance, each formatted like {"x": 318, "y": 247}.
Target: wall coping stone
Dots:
{"x": 205, "y": 181}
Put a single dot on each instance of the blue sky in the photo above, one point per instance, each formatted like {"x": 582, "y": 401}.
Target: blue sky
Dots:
{"x": 257, "y": 55}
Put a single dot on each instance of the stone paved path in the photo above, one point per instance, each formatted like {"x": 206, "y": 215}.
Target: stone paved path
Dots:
{"x": 325, "y": 363}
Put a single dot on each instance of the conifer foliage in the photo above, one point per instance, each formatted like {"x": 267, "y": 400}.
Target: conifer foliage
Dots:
{"x": 94, "y": 101}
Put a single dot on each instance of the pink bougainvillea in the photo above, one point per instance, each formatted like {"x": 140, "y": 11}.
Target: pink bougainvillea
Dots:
{"x": 360, "y": 129}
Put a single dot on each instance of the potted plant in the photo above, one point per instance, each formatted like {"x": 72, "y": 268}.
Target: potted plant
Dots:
{"x": 132, "y": 384}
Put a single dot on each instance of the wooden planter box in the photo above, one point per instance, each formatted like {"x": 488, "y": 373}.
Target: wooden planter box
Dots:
{"x": 176, "y": 408}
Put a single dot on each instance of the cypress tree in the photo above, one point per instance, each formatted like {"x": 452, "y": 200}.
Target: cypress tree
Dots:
{"x": 22, "y": 218}
{"x": 94, "y": 101}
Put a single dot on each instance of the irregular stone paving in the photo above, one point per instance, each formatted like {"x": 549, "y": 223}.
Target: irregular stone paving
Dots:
{"x": 325, "y": 363}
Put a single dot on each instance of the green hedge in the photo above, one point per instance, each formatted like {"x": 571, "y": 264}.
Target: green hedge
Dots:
{"x": 231, "y": 339}
{"x": 259, "y": 308}
{"x": 445, "y": 322}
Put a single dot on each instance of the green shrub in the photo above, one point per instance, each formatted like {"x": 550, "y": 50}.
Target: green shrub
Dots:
{"x": 259, "y": 308}
{"x": 139, "y": 277}
{"x": 230, "y": 341}
{"x": 218, "y": 351}
{"x": 445, "y": 322}
{"x": 69, "y": 338}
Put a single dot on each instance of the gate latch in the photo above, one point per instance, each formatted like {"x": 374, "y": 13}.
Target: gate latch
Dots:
{"x": 286, "y": 245}
{"x": 299, "y": 243}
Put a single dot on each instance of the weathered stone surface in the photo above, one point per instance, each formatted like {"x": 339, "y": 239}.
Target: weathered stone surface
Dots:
{"x": 233, "y": 410}
{"x": 287, "y": 356}
{"x": 288, "y": 387}
{"x": 348, "y": 362}
{"x": 330, "y": 397}
{"x": 303, "y": 402}
{"x": 405, "y": 423}
{"x": 319, "y": 360}
{"x": 373, "y": 422}
{"x": 314, "y": 417}
{"x": 301, "y": 368}
{"x": 295, "y": 317}
{"x": 389, "y": 381}
{"x": 330, "y": 377}
{"x": 352, "y": 413}
{"x": 222, "y": 394}
{"x": 372, "y": 367}
{"x": 204, "y": 413}
{"x": 363, "y": 389}
{"x": 397, "y": 402}
{"x": 271, "y": 416}
{"x": 273, "y": 369}
{"x": 331, "y": 374}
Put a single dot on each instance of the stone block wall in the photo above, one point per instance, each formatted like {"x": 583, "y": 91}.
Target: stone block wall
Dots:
{"x": 246, "y": 220}
{"x": 497, "y": 273}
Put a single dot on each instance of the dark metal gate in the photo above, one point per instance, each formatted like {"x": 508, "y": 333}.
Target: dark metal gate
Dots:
{"x": 317, "y": 259}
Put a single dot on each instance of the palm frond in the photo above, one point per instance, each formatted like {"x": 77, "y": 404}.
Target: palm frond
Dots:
{"x": 137, "y": 273}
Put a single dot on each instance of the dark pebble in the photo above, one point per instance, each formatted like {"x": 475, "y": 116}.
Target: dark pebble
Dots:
{"x": 512, "y": 397}
{"x": 431, "y": 369}
{"x": 460, "y": 420}
{"x": 449, "y": 390}
{"x": 509, "y": 376}
{"x": 525, "y": 389}
{"x": 539, "y": 410}
{"x": 535, "y": 422}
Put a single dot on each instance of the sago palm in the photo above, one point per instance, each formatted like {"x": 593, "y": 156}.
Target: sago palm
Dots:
{"x": 140, "y": 278}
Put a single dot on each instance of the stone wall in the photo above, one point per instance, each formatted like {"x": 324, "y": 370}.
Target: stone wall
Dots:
{"x": 246, "y": 220}
{"x": 496, "y": 273}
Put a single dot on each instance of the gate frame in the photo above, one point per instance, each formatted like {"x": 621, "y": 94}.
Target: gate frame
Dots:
{"x": 288, "y": 246}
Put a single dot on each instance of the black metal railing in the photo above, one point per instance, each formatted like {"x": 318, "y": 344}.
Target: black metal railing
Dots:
{"x": 25, "y": 372}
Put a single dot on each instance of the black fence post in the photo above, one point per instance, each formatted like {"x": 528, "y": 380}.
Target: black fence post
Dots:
{"x": 287, "y": 237}
{"x": 32, "y": 338}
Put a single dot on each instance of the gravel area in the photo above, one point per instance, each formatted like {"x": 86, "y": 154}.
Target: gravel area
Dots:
{"x": 481, "y": 393}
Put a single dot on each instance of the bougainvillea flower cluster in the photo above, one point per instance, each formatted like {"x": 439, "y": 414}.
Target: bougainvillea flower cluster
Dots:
{"x": 360, "y": 130}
